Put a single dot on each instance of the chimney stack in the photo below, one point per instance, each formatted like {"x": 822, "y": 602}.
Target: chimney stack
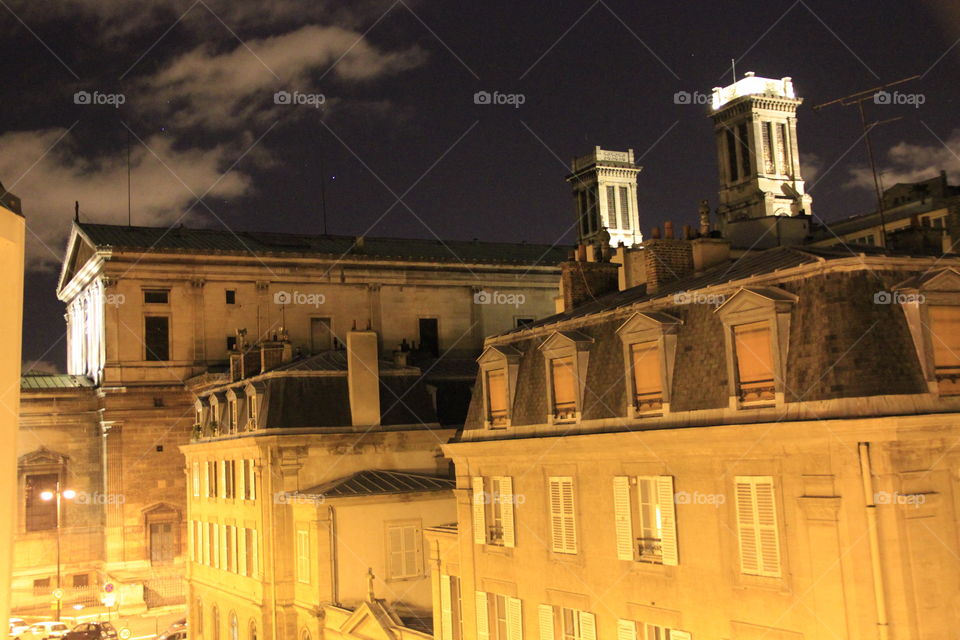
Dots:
{"x": 666, "y": 259}
{"x": 363, "y": 377}
{"x": 582, "y": 281}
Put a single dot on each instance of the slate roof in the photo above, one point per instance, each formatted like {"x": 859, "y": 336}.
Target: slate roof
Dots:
{"x": 186, "y": 240}
{"x": 330, "y": 361}
{"x": 42, "y": 381}
{"x": 371, "y": 482}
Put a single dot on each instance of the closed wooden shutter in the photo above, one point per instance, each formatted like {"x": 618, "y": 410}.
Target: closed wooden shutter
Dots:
{"x": 506, "y": 512}
{"x": 754, "y": 356}
{"x": 514, "y": 619}
{"x": 479, "y": 511}
{"x": 668, "y": 520}
{"x": 945, "y": 338}
{"x": 588, "y": 626}
{"x": 757, "y": 526}
{"x": 483, "y": 621}
{"x": 446, "y": 608}
{"x": 545, "y": 620}
{"x": 627, "y": 630}
{"x": 564, "y": 381}
{"x": 676, "y": 634}
{"x": 563, "y": 535}
{"x": 623, "y": 518}
{"x": 497, "y": 395}
{"x": 647, "y": 378}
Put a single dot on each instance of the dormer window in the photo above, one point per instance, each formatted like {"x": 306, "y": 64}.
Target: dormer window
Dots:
{"x": 253, "y": 394}
{"x": 945, "y": 338}
{"x": 565, "y": 356}
{"x": 931, "y": 305}
{"x": 752, "y": 350}
{"x": 649, "y": 349}
{"x": 757, "y": 335}
{"x": 498, "y": 367}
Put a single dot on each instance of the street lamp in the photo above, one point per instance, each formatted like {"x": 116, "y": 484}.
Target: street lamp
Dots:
{"x": 57, "y": 495}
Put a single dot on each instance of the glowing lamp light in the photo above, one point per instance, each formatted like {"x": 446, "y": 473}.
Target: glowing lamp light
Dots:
{"x": 69, "y": 494}
{"x": 46, "y": 495}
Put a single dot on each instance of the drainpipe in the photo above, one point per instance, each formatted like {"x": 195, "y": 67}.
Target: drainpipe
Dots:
{"x": 270, "y": 506}
{"x": 334, "y": 573}
{"x": 866, "y": 474}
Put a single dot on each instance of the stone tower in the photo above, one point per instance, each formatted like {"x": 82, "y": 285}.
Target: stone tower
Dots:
{"x": 755, "y": 121}
{"x": 605, "y": 192}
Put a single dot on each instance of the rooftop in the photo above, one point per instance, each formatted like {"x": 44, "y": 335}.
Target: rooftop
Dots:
{"x": 752, "y": 84}
{"x": 42, "y": 381}
{"x": 374, "y": 482}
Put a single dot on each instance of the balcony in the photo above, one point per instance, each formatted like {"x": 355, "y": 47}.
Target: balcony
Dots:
{"x": 648, "y": 402}
{"x": 565, "y": 411}
{"x": 649, "y": 550}
{"x": 757, "y": 392}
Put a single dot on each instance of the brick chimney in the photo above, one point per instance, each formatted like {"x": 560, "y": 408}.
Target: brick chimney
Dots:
{"x": 666, "y": 259}
{"x": 582, "y": 281}
{"x": 363, "y": 377}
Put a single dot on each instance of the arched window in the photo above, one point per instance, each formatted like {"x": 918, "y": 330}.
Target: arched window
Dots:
{"x": 304, "y": 635}
{"x": 215, "y": 621}
{"x": 198, "y": 621}
{"x": 234, "y": 627}
{"x": 253, "y": 629}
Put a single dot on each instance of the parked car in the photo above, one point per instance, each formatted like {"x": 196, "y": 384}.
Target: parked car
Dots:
{"x": 92, "y": 631}
{"x": 48, "y": 630}
{"x": 17, "y": 628}
{"x": 176, "y": 631}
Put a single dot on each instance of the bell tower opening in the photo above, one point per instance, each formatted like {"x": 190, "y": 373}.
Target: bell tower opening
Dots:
{"x": 755, "y": 123}
{"x": 605, "y": 194}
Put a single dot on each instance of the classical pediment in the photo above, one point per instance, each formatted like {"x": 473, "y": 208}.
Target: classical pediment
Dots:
{"x": 42, "y": 457}
{"x": 566, "y": 339}
{"x": 370, "y": 621}
{"x": 947, "y": 280}
{"x": 649, "y": 321}
{"x": 78, "y": 253}
{"x": 497, "y": 354}
{"x": 755, "y": 299}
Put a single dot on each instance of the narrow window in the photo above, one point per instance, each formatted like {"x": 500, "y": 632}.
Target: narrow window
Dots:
{"x": 612, "y": 207}
{"x": 563, "y": 529}
{"x": 945, "y": 336}
{"x": 744, "y": 149}
{"x": 647, "y": 377}
{"x": 755, "y": 379}
{"x": 732, "y": 155}
{"x": 757, "y": 526}
{"x": 231, "y": 296}
{"x": 564, "y": 384}
{"x": 41, "y": 514}
{"x": 405, "y": 550}
{"x": 429, "y": 336}
{"x": 767, "y": 133}
{"x": 497, "y": 397}
{"x": 303, "y": 556}
{"x": 782, "y": 155}
{"x": 625, "y": 208}
{"x": 157, "y": 338}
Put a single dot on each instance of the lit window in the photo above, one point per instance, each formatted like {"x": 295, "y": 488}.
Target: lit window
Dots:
{"x": 563, "y": 524}
{"x": 645, "y": 519}
{"x": 497, "y": 397}
{"x": 565, "y": 623}
{"x": 451, "y": 610}
{"x": 647, "y": 376}
{"x": 503, "y": 619}
{"x": 493, "y": 511}
{"x": 945, "y": 337}
{"x": 755, "y": 379}
{"x": 252, "y": 411}
{"x": 404, "y": 550}
{"x": 563, "y": 380}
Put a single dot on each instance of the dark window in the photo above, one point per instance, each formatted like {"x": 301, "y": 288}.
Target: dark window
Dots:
{"x": 157, "y": 337}
{"x": 41, "y": 586}
{"x": 162, "y": 540}
{"x": 231, "y": 343}
{"x": 523, "y": 322}
{"x": 744, "y": 150}
{"x": 158, "y": 402}
{"x": 40, "y": 514}
{"x": 81, "y": 580}
{"x": 231, "y": 296}
{"x": 156, "y": 296}
{"x": 429, "y": 336}
{"x": 732, "y": 155}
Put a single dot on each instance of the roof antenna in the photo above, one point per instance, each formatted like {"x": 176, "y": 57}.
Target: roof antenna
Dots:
{"x": 129, "y": 201}
{"x": 76, "y": 211}
{"x": 733, "y": 68}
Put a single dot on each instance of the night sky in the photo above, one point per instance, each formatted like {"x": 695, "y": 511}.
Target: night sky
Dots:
{"x": 406, "y": 151}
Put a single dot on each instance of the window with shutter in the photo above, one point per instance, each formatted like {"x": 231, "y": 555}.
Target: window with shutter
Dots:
{"x": 647, "y": 376}
{"x": 446, "y": 608}
{"x": 564, "y": 382}
{"x": 611, "y": 208}
{"x": 196, "y": 479}
{"x": 546, "y": 622}
{"x": 754, "y": 358}
{"x": 783, "y": 162}
{"x": 514, "y": 619}
{"x": 945, "y": 337}
{"x": 404, "y": 550}
{"x": 625, "y": 208}
{"x": 645, "y": 519}
{"x": 563, "y": 530}
{"x": 483, "y": 615}
{"x": 303, "y": 556}
{"x": 479, "y": 510}
{"x": 627, "y": 630}
{"x": 757, "y": 526}
{"x": 497, "y": 397}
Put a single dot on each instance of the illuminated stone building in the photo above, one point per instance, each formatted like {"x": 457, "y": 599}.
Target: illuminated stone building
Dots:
{"x": 154, "y": 315}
